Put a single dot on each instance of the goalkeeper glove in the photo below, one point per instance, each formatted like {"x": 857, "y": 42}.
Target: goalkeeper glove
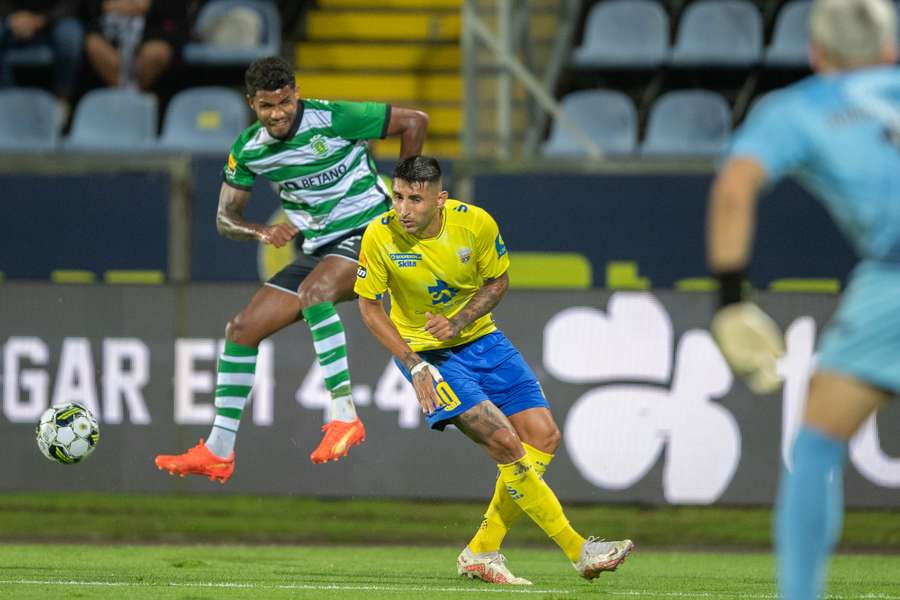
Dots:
{"x": 751, "y": 342}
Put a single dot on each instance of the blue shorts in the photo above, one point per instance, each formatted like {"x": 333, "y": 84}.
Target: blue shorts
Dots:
{"x": 863, "y": 338}
{"x": 489, "y": 368}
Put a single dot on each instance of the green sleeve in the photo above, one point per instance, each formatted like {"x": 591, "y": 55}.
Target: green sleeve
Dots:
{"x": 236, "y": 172}
{"x": 360, "y": 120}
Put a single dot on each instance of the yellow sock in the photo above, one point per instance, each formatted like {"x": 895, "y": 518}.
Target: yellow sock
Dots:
{"x": 503, "y": 510}
{"x": 539, "y": 502}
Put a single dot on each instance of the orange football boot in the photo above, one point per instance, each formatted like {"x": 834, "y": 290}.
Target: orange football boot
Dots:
{"x": 339, "y": 437}
{"x": 197, "y": 461}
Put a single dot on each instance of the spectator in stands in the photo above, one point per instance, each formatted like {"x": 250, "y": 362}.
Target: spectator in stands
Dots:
{"x": 134, "y": 43}
{"x": 52, "y": 22}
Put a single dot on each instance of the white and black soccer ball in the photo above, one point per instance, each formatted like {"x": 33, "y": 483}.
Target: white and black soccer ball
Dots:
{"x": 67, "y": 433}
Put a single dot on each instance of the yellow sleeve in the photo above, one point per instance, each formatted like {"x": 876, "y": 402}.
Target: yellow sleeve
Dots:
{"x": 371, "y": 275}
{"x": 493, "y": 259}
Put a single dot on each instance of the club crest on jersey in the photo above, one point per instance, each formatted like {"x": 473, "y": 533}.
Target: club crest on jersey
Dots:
{"x": 405, "y": 259}
{"x": 464, "y": 254}
{"x": 232, "y": 165}
{"x": 318, "y": 144}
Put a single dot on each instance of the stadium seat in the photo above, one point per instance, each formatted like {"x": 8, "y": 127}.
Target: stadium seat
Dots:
{"x": 113, "y": 119}
{"x": 688, "y": 123}
{"x": 791, "y": 37}
{"x": 607, "y": 117}
{"x": 205, "y": 119}
{"x": 719, "y": 33}
{"x": 624, "y": 33}
{"x": 29, "y": 120}
{"x": 204, "y": 53}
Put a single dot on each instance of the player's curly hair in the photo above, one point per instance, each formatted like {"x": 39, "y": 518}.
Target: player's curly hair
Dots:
{"x": 268, "y": 74}
{"x": 418, "y": 169}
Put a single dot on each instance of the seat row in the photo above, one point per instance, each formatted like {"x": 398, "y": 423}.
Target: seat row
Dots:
{"x": 724, "y": 33}
{"x": 682, "y": 123}
{"x": 204, "y": 119}
{"x": 263, "y": 13}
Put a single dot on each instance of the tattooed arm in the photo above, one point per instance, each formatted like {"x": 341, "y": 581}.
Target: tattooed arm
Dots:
{"x": 230, "y": 221}
{"x": 483, "y": 302}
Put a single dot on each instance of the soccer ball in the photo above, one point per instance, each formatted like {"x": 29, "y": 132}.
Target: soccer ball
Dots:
{"x": 67, "y": 433}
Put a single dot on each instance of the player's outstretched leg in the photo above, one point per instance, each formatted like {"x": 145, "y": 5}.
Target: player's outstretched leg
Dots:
{"x": 809, "y": 513}
{"x": 503, "y": 511}
{"x": 479, "y": 558}
{"x": 344, "y": 429}
{"x": 215, "y": 458}
{"x": 590, "y": 557}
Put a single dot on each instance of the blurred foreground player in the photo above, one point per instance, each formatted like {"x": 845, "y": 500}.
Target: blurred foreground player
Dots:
{"x": 316, "y": 151}
{"x": 838, "y": 133}
{"x": 444, "y": 265}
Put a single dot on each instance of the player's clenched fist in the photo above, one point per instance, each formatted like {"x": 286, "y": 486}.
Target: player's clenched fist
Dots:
{"x": 424, "y": 377}
{"x": 278, "y": 235}
{"x": 440, "y": 327}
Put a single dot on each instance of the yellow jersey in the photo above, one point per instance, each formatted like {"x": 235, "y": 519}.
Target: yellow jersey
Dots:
{"x": 437, "y": 275}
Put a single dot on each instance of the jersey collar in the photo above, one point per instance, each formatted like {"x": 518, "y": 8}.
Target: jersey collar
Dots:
{"x": 440, "y": 231}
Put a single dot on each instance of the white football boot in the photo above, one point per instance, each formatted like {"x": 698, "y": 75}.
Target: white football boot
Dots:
{"x": 599, "y": 555}
{"x": 487, "y": 566}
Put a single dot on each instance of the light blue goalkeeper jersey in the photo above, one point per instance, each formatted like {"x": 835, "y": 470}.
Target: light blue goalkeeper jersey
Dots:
{"x": 839, "y": 135}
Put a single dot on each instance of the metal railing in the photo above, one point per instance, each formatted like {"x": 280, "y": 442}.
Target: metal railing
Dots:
{"x": 508, "y": 57}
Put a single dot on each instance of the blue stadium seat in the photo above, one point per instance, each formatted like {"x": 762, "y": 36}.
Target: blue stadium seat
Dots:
{"x": 29, "y": 120}
{"x": 114, "y": 119}
{"x": 791, "y": 37}
{"x": 201, "y": 53}
{"x": 624, "y": 33}
{"x": 204, "y": 119}
{"x": 720, "y": 33}
{"x": 608, "y": 117}
{"x": 688, "y": 123}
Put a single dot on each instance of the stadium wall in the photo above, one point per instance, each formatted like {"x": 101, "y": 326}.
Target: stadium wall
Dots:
{"x": 648, "y": 409}
{"x": 105, "y": 215}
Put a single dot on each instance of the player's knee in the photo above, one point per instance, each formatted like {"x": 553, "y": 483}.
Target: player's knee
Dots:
{"x": 550, "y": 440}
{"x": 310, "y": 295}
{"x": 238, "y": 332}
{"x": 505, "y": 446}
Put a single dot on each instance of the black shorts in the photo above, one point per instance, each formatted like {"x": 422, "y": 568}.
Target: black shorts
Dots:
{"x": 290, "y": 277}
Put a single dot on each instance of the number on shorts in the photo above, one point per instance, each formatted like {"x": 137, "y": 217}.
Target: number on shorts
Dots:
{"x": 447, "y": 396}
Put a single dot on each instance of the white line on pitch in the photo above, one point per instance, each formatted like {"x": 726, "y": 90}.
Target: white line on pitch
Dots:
{"x": 386, "y": 588}
{"x": 288, "y": 586}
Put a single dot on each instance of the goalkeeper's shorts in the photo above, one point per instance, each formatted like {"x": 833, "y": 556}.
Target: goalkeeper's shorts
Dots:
{"x": 488, "y": 368}
{"x": 863, "y": 338}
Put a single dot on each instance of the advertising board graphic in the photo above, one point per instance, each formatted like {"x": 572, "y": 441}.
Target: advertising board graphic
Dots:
{"x": 648, "y": 409}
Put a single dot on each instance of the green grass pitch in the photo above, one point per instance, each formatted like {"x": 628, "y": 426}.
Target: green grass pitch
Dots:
{"x": 43, "y": 571}
{"x": 160, "y": 547}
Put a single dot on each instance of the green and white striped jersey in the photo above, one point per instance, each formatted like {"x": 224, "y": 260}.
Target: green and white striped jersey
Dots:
{"x": 327, "y": 180}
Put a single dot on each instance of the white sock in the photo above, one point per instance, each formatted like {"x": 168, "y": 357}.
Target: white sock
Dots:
{"x": 221, "y": 442}
{"x": 342, "y": 408}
